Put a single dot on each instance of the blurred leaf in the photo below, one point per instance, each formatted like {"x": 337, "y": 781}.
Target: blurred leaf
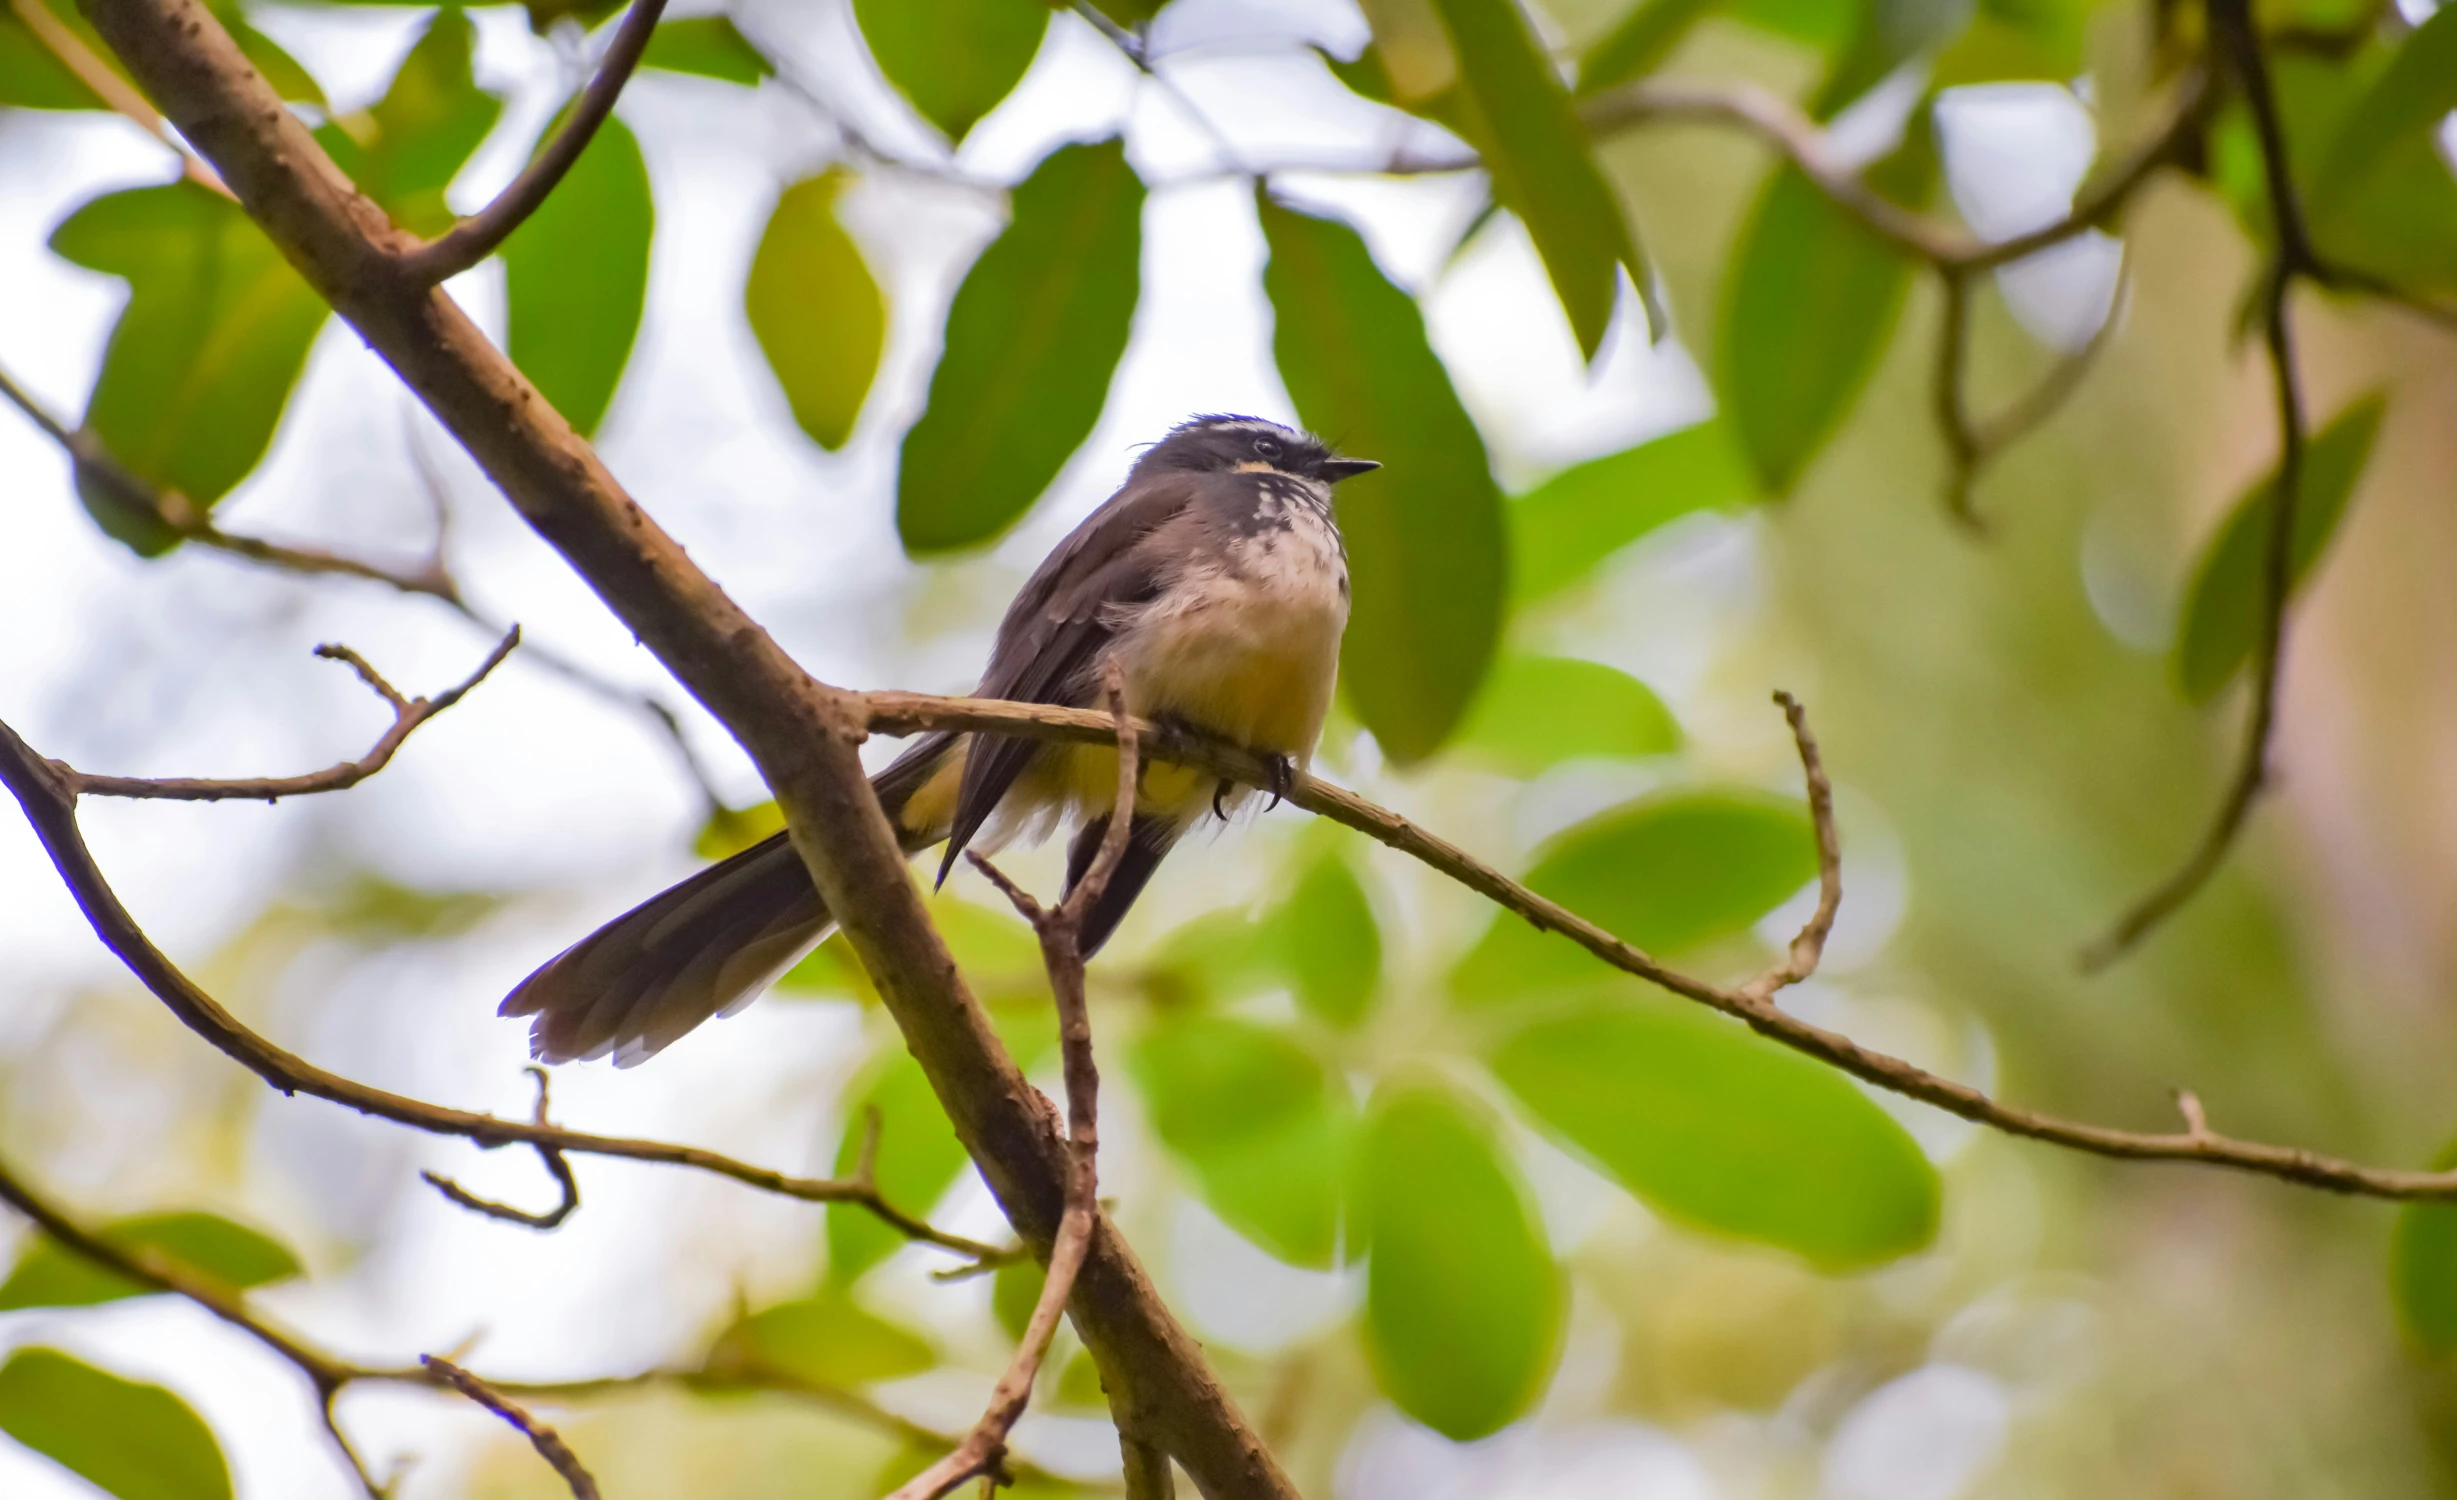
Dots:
{"x": 1818, "y": 23}
{"x": 1463, "y": 1305}
{"x": 1721, "y": 1129}
{"x": 1015, "y": 1289}
{"x": 1412, "y": 60}
{"x": 919, "y": 1157}
{"x": 1034, "y": 335}
{"x": 1259, "y": 1122}
{"x": 405, "y": 151}
{"x": 2405, "y": 103}
{"x": 1639, "y": 44}
{"x": 708, "y": 46}
{"x": 371, "y": 908}
{"x": 1369, "y": 77}
{"x": 1668, "y": 873}
{"x": 2222, "y": 611}
{"x": 953, "y": 59}
{"x": 1332, "y": 944}
{"x": 1887, "y": 34}
{"x": 49, "y": 1274}
{"x": 1543, "y": 168}
{"x": 817, "y": 311}
{"x": 204, "y": 356}
{"x": 544, "y": 13}
{"x": 2018, "y": 39}
{"x": 1563, "y": 530}
{"x": 826, "y": 1339}
{"x": 1538, "y": 711}
{"x": 136, "y": 1442}
{"x": 1813, "y": 297}
{"x": 2423, "y": 1268}
{"x": 576, "y": 276}
{"x": 31, "y": 74}
{"x": 730, "y": 830}
{"x": 1079, "y": 1384}
{"x": 1220, "y": 955}
{"x": 1427, "y": 552}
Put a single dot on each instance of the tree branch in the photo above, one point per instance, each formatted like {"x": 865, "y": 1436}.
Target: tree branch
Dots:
{"x": 2232, "y": 31}
{"x": 549, "y": 1443}
{"x": 557, "y": 1165}
{"x": 479, "y": 236}
{"x": 109, "y": 87}
{"x": 408, "y": 714}
{"x": 1750, "y": 1003}
{"x": 802, "y": 735}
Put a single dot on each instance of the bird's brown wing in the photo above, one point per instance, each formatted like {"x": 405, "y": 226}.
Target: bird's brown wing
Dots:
{"x": 1057, "y": 626}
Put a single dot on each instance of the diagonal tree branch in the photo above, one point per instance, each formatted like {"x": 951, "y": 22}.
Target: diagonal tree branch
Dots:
{"x": 802, "y": 735}
{"x": 479, "y": 236}
{"x": 548, "y": 1442}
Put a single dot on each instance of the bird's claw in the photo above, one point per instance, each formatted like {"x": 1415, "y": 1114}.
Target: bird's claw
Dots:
{"x": 1281, "y": 773}
{"x": 1218, "y": 794}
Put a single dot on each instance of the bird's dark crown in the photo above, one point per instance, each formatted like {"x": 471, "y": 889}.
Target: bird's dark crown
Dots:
{"x": 1220, "y": 443}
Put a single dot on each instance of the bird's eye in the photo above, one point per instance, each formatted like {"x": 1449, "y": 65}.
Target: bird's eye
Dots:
{"x": 1267, "y": 447}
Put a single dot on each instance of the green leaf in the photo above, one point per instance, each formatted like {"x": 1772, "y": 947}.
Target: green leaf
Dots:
{"x": 826, "y": 1339}
{"x": 953, "y": 59}
{"x": 1813, "y": 298}
{"x": 1331, "y": 943}
{"x": 136, "y": 1442}
{"x": 1562, "y": 531}
{"x": 2423, "y": 1268}
{"x": 31, "y": 74}
{"x": 1720, "y": 1129}
{"x": 2018, "y": 39}
{"x": 730, "y": 830}
{"x": 1520, "y": 118}
{"x": 1463, "y": 1305}
{"x": 708, "y": 46}
{"x": 2222, "y": 612}
{"x": 2412, "y": 95}
{"x": 1539, "y": 711}
{"x": 405, "y": 151}
{"x": 1821, "y": 24}
{"x": 1428, "y": 555}
{"x": 919, "y": 1157}
{"x": 2394, "y": 214}
{"x": 1258, "y": 1121}
{"x": 1220, "y": 955}
{"x": 1035, "y": 333}
{"x": 1015, "y": 1289}
{"x": 49, "y": 1274}
{"x": 204, "y": 357}
{"x": 1887, "y": 34}
{"x": 817, "y": 311}
{"x": 1669, "y": 873}
{"x": 1639, "y": 44}
{"x": 576, "y": 276}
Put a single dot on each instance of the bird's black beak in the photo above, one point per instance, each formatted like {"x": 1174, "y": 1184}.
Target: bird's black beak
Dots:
{"x": 1333, "y": 470}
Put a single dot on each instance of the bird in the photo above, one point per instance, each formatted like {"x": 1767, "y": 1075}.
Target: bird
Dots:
{"x": 1214, "y": 580}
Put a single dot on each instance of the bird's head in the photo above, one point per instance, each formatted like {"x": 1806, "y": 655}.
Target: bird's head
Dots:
{"x": 1227, "y": 444}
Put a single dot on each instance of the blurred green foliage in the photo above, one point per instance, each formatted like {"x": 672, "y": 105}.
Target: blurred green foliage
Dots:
{"x": 576, "y": 276}
{"x": 129, "y": 1440}
{"x": 816, "y": 309}
{"x": 51, "y": 1275}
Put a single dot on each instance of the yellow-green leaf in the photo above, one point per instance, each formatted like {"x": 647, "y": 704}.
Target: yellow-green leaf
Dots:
{"x": 1668, "y": 872}
{"x": 49, "y": 1274}
{"x": 576, "y": 276}
{"x": 406, "y": 150}
{"x": 918, "y": 1158}
{"x": 1565, "y": 528}
{"x": 953, "y": 59}
{"x": 1539, "y": 711}
{"x": 1428, "y": 555}
{"x": 827, "y": 1339}
{"x": 1330, "y": 942}
{"x": 1463, "y": 1304}
{"x": 708, "y": 46}
{"x": 2413, "y": 94}
{"x": 2222, "y": 612}
{"x": 1723, "y": 1130}
{"x": 816, "y": 310}
{"x": 1034, "y": 335}
{"x": 204, "y": 357}
{"x": 1518, "y": 115}
{"x": 129, "y": 1440}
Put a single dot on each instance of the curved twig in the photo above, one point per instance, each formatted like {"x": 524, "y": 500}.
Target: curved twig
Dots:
{"x": 548, "y": 1442}
{"x": 480, "y": 235}
{"x": 557, "y": 1165}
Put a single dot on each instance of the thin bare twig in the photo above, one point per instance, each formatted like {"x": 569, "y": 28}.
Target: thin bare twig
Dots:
{"x": 479, "y": 236}
{"x": 548, "y": 1442}
{"x": 908, "y": 713}
{"x": 983, "y": 1451}
{"x": 2232, "y": 31}
{"x": 557, "y": 1165}
{"x": 1973, "y": 442}
{"x": 408, "y": 714}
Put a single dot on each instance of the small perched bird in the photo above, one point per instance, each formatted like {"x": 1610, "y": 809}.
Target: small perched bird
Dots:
{"x": 1215, "y": 580}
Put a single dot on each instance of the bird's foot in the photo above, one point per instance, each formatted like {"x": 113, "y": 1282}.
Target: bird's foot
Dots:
{"x": 1281, "y": 777}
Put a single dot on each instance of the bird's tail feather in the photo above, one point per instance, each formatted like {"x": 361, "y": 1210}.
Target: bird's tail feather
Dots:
{"x": 705, "y": 947}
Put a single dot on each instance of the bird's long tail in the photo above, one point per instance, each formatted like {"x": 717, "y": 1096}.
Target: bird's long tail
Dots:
{"x": 711, "y": 944}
